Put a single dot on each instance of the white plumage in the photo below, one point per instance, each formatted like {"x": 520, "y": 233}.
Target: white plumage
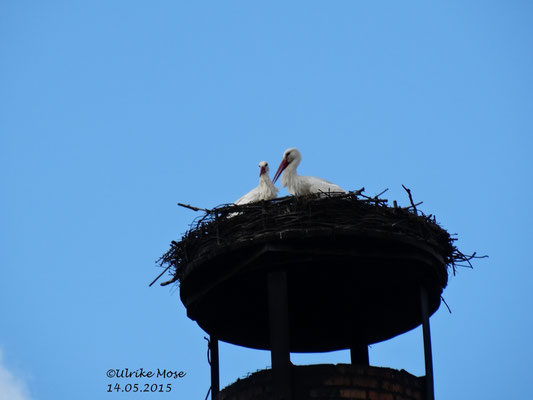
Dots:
{"x": 264, "y": 191}
{"x": 299, "y": 185}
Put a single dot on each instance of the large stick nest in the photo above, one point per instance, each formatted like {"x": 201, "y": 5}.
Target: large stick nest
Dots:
{"x": 230, "y": 224}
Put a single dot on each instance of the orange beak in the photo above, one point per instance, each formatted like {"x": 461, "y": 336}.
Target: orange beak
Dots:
{"x": 281, "y": 167}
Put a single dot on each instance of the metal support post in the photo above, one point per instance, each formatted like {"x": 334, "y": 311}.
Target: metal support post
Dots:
{"x": 215, "y": 381}
{"x": 278, "y": 311}
{"x": 359, "y": 354}
{"x": 424, "y": 308}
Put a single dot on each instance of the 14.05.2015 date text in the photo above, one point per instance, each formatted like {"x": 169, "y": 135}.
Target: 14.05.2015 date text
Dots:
{"x": 142, "y": 388}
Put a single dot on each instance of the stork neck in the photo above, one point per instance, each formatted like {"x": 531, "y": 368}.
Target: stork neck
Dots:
{"x": 263, "y": 180}
{"x": 289, "y": 175}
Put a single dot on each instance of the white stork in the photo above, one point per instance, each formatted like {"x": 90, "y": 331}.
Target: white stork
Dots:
{"x": 299, "y": 185}
{"x": 264, "y": 191}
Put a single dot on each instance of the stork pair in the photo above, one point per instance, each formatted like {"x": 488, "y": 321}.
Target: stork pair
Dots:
{"x": 297, "y": 185}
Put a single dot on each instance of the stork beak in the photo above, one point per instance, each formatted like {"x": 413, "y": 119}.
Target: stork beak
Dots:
{"x": 281, "y": 167}
{"x": 262, "y": 171}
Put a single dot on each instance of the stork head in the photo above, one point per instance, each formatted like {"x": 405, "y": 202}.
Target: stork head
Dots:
{"x": 263, "y": 168}
{"x": 290, "y": 157}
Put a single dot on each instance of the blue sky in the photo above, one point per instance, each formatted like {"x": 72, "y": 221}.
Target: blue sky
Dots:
{"x": 112, "y": 112}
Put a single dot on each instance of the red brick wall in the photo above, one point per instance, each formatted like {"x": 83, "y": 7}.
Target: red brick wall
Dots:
{"x": 332, "y": 382}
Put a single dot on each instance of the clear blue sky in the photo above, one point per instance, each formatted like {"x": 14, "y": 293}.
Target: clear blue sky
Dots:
{"x": 113, "y": 111}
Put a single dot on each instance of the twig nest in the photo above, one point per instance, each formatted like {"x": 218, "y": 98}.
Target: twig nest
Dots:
{"x": 354, "y": 269}
{"x": 317, "y": 216}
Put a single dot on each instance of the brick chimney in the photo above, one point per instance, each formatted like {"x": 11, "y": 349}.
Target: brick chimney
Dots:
{"x": 332, "y": 382}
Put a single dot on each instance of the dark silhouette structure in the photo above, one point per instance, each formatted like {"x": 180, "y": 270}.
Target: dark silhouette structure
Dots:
{"x": 314, "y": 274}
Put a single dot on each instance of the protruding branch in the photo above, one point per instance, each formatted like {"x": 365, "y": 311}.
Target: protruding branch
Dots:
{"x": 459, "y": 256}
{"x": 194, "y": 208}
{"x": 376, "y": 200}
{"x": 377, "y": 195}
{"x": 446, "y": 304}
{"x": 411, "y": 199}
{"x": 413, "y": 206}
{"x": 160, "y": 275}
{"x": 174, "y": 279}
{"x": 358, "y": 192}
